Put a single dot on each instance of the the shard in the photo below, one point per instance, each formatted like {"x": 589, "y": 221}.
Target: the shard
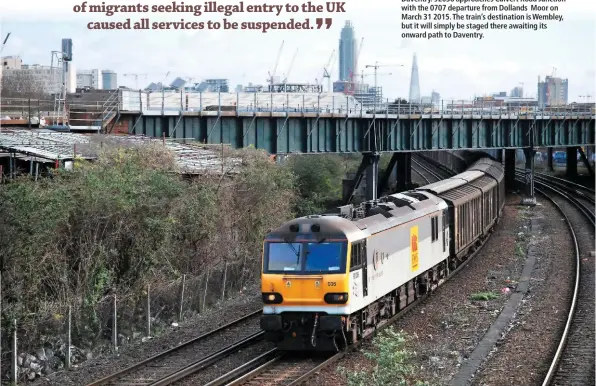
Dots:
{"x": 414, "y": 83}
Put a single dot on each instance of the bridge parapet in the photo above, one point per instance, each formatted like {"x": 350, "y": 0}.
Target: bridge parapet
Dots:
{"x": 329, "y": 104}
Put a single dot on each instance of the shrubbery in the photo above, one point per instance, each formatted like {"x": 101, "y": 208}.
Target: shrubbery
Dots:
{"x": 128, "y": 220}
{"x": 390, "y": 363}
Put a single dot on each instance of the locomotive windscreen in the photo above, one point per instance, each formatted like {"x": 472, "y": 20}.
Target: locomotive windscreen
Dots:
{"x": 305, "y": 257}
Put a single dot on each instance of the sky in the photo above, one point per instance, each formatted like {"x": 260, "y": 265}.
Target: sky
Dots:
{"x": 456, "y": 68}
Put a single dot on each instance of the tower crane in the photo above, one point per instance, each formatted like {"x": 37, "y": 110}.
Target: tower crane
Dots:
{"x": 272, "y": 73}
{"x": 327, "y": 69}
{"x": 4, "y": 42}
{"x": 356, "y": 58}
{"x": 362, "y": 75}
{"x": 290, "y": 69}
{"x": 376, "y": 67}
{"x": 136, "y": 76}
{"x": 358, "y": 54}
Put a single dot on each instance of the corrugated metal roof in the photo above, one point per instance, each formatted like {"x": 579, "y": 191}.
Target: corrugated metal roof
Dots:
{"x": 192, "y": 158}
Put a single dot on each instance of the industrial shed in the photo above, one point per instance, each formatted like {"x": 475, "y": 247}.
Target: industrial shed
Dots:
{"x": 40, "y": 150}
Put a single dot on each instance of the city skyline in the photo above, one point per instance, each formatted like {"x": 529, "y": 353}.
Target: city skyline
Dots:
{"x": 458, "y": 69}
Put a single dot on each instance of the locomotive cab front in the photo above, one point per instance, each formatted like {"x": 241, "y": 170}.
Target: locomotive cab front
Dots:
{"x": 304, "y": 285}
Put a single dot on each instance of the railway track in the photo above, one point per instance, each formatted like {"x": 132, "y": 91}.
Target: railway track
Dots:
{"x": 576, "y": 194}
{"x": 284, "y": 369}
{"x": 573, "y": 360}
{"x": 424, "y": 171}
{"x": 276, "y": 368}
{"x": 181, "y": 361}
{"x": 442, "y": 171}
{"x": 421, "y": 175}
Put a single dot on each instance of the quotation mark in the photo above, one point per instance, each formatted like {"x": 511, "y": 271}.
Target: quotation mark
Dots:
{"x": 328, "y": 21}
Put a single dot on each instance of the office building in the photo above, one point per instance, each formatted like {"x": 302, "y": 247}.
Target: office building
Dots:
{"x": 517, "y": 92}
{"x": 92, "y": 79}
{"x": 109, "y": 79}
{"x": 11, "y": 63}
{"x": 347, "y": 53}
{"x": 553, "y": 91}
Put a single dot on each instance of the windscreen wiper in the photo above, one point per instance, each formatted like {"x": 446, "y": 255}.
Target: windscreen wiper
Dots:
{"x": 297, "y": 252}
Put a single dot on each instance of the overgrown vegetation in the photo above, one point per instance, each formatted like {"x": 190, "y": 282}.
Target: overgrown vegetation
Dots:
{"x": 128, "y": 220}
{"x": 483, "y": 296}
{"x": 390, "y": 361}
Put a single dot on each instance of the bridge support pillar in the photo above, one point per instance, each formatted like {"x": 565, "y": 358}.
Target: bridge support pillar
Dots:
{"x": 370, "y": 166}
{"x": 401, "y": 165}
{"x": 384, "y": 182}
{"x": 585, "y": 160}
{"x": 372, "y": 176}
{"x": 510, "y": 169}
{"x": 571, "y": 168}
{"x": 549, "y": 154}
{"x": 404, "y": 171}
{"x": 529, "y": 197}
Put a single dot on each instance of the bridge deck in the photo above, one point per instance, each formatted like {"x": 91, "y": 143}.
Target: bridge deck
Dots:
{"x": 316, "y": 133}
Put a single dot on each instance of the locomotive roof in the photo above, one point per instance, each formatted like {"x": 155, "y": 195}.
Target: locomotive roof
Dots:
{"x": 392, "y": 210}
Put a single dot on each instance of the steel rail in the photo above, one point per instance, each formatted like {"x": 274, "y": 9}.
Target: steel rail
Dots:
{"x": 163, "y": 354}
{"x": 303, "y": 378}
{"x": 575, "y": 297}
{"x": 207, "y": 361}
{"x": 561, "y": 347}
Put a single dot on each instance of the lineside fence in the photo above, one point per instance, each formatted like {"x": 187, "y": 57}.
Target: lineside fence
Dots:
{"x": 110, "y": 323}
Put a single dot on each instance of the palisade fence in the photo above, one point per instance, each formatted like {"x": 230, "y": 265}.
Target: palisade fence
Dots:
{"x": 115, "y": 320}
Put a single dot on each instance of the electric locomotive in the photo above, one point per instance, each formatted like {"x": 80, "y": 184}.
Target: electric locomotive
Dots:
{"x": 328, "y": 280}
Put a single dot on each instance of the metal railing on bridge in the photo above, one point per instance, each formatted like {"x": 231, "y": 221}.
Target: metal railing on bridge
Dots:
{"x": 168, "y": 102}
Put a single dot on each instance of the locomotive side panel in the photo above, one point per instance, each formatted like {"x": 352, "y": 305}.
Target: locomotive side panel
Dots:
{"x": 398, "y": 255}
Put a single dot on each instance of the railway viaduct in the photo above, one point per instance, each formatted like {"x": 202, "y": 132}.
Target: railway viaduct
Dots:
{"x": 290, "y": 123}
{"x": 285, "y": 124}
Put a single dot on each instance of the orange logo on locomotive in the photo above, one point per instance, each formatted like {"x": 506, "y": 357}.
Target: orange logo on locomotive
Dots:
{"x": 414, "y": 243}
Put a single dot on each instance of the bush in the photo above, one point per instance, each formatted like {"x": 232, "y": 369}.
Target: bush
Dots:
{"x": 390, "y": 363}
{"x": 125, "y": 221}
{"x": 319, "y": 182}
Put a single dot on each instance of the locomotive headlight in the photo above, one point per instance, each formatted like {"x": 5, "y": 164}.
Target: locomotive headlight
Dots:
{"x": 272, "y": 298}
{"x": 336, "y": 298}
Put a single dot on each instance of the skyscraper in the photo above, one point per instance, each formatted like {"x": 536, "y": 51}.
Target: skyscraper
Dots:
{"x": 553, "y": 91}
{"x": 347, "y": 52}
{"x": 110, "y": 79}
{"x": 414, "y": 83}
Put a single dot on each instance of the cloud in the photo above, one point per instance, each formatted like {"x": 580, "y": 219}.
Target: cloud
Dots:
{"x": 458, "y": 68}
